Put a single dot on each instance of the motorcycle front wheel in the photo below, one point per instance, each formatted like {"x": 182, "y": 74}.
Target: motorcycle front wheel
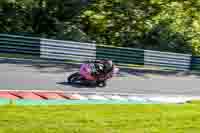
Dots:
{"x": 74, "y": 78}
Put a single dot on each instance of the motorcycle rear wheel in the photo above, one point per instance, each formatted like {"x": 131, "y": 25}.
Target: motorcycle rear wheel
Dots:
{"x": 101, "y": 83}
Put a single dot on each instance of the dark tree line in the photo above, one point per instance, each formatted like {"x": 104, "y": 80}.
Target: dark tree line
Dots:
{"x": 167, "y": 25}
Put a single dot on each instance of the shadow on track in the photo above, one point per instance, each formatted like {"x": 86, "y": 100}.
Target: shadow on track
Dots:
{"x": 77, "y": 85}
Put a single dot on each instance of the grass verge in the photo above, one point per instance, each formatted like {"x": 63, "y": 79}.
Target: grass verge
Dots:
{"x": 181, "y": 118}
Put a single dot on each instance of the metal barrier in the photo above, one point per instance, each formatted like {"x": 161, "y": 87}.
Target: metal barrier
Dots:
{"x": 195, "y": 63}
{"x": 120, "y": 55}
{"x": 67, "y": 50}
{"x": 166, "y": 59}
{"x": 76, "y": 51}
{"x": 19, "y": 45}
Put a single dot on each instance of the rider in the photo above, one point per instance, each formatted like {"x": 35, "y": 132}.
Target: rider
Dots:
{"x": 101, "y": 67}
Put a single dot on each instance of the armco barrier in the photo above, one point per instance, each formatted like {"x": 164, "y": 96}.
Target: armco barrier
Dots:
{"x": 67, "y": 50}
{"x": 120, "y": 55}
{"x": 14, "y": 44}
{"x": 195, "y": 63}
{"x": 166, "y": 59}
{"x": 41, "y": 48}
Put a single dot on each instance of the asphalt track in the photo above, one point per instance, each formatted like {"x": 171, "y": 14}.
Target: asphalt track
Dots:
{"x": 27, "y": 75}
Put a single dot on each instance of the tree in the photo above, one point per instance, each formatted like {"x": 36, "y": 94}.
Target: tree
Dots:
{"x": 169, "y": 25}
{"x": 127, "y": 23}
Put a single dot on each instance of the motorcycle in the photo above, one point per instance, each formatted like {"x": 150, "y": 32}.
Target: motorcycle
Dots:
{"x": 84, "y": 76}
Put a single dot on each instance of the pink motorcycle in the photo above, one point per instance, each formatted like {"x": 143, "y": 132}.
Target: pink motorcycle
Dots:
{"x": 85, "y": 77}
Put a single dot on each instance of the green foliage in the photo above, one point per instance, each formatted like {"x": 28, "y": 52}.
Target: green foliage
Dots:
{"x": 45, "y": 18}
{"x": 156, "y": 24}
{"x": 167, "y": 25}
{"x": 114, "y": 22}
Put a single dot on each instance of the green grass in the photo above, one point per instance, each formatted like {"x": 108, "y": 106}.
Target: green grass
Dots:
{"x": 181, "y": 118}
